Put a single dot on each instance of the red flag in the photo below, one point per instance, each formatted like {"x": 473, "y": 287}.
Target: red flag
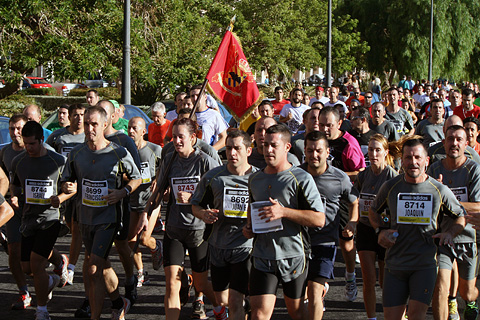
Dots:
{"x": 230, "y": 79}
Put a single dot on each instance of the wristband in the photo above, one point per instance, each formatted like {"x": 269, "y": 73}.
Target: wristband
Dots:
{"x": 128, "y": 191}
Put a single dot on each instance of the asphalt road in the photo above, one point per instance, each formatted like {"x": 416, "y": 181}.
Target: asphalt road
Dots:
{"x": 150, "y": 303}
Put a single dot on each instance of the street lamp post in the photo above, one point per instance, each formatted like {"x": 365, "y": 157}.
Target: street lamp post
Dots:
{"x": 329, "y": 45}
{"x": 430, "y": 58}
{"x": 126, "y": 88}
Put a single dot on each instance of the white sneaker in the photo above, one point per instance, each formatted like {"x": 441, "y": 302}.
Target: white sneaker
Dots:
{"x": 71, "y": 274}
{"x": 351, "y": 290}
{"x": 63, "y": 271}
{"x": 325, "y": 290}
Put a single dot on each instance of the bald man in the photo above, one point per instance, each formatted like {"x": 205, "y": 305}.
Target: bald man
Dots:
{"x": 34, "y": 113}
{"x": 257, "y": 158}
{"x": 437, "y": 151}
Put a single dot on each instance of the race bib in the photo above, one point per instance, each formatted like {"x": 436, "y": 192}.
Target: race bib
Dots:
{"x": 187, "y": 184}
{"x": 364, "y": 202}
{"x": 145, "y": 171}
{"x": 414, "y": 208}
{"x": 38, "y": 191}
{"x": 235, "y": 202}
{"x": 65, "y": 151}
{"x": 93, "y": 193}
{"x": 460, "y": 193}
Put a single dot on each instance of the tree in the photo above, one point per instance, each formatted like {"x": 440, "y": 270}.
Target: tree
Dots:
{"x": 399, "y": 34}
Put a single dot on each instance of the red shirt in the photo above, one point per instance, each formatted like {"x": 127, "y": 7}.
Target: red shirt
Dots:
{"x": 362, "y": 99}
{"x": 156, "y": 133}
{"x": 278, "y": 105}
{"x": 460, "y": 111}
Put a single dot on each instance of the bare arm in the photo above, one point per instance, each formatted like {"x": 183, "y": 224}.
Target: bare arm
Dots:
{"x": 4, "y": 183}
{"x": 351, "y": 225}
{"x": 446, "y": 237}
{"x": 6, "y": 213}
{"x": 373, "y": 218}
{"x": 221, "y": 140}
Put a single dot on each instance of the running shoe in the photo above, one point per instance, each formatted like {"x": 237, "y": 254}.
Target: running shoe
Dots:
{"x": 157, "y": 257}
{"x": 325, "y": 290}
{"x": 351, "y": 290}
{"x": 471, "y": 311}
{"x": 131, "y": 291}
{"x": 453, "y": 310}
{"x": 198, "y": 310}
{"x": 222, "y": 315}
{"x": 142, "y": 279}
{"x": 84, "y": 311}
{"x": 120, "y": 314}
{"x": 56, "y": 281}
{"x": 62, "y": 271}
{"x": 24, "y": 301}
{"x": 71, "y": 274}
{"x": 42, "y": 315}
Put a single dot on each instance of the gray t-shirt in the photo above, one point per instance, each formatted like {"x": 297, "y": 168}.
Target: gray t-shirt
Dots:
{"x": 38, "y": 178}
{"x": 227, "y": 192}
{"x": 465, "y": 184}
{"x": 96, "y": 171}
{"x": 298, "y": 147}
{"x": 150, "y": 157}
{"x": 292, "y": 188}
{"x": 6, "y": 157}
{"x": 387, "y": 129}
{"x": 63, "y": 141}
{"x": 333, "y": 185}
{"x": 402, "y": 120}
{"x": 437, "y": 152}
{"x": 430, "y": 132}
{"x": 202, "y": 145}
{"x": 415, "y": 211}
{"x": 184, "y": 175}
{"x": 258, "y": 160}
{"x": 368, "y": 184}
{"x": 54, "y": 136}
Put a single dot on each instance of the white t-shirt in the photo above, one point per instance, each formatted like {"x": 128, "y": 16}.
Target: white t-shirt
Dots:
{"x": 171, "y": 115}
{"x": 322, "y": 100}
{"x": 297, "y": 114}
{"x": 212, "y": 124}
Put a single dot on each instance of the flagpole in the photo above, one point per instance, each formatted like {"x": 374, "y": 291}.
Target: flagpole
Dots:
{"x": 158, "y": 192}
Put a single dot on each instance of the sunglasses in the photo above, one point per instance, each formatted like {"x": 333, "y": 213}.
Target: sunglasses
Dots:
{"x": 368, "y": 97}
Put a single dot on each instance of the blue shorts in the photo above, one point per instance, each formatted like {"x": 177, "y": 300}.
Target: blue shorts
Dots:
{"x": 322, "y": 263}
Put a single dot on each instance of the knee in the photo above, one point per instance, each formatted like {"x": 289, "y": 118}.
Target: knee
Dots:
{"x": 296, "y": 314}
{"x": 95, "y": 271}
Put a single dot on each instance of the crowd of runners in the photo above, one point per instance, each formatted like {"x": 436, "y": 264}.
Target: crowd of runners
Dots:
{"x": 393, "y": 184}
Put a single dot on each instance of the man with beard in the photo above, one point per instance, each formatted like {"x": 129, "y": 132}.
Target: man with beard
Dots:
{"x": 416, "y": 203}
{"x": 292, "y": 113}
